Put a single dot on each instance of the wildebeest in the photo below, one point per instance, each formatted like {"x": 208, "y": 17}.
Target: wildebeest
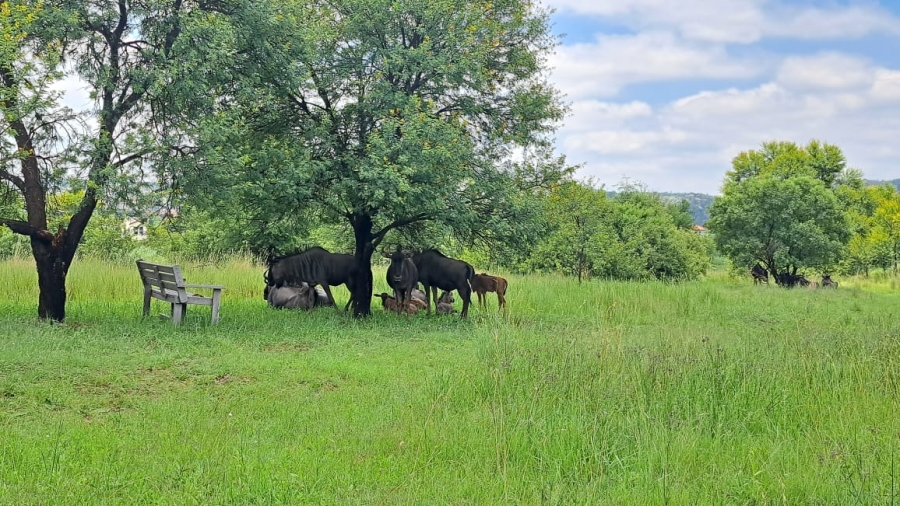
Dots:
{"x": 296, "y": 297}
{"x": 438, "y": 271}
{"x": 316, "y": 266}
{"x": 289, "y": 297}
{"x": 391, "y": 304}
{"x": 828, "y": 283}
{"x": 759, "y": 274}
{"x": 402, "y": 276}
{"x": 483, "y": 283}
{"x": 418, "y": 294}
{"x": 789, "y": 280}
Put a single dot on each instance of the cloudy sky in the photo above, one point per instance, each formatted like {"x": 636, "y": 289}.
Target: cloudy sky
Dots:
{"x": 667, "y": 92}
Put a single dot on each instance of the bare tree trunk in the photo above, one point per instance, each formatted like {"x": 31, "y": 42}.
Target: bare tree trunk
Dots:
{"x": 361, "y": 293}
{"x": 52, "y": 268}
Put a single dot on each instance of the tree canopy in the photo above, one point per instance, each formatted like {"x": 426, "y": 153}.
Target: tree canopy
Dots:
{"x": 779, "y": 207}
{"x": 382, "y": 115}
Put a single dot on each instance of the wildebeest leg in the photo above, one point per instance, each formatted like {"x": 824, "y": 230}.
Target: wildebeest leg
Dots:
{"x": 501, "y": 300}
{"x": 434, "y": 296}
{"x": 328, "y": 293}
{"x": 466, "y": 293}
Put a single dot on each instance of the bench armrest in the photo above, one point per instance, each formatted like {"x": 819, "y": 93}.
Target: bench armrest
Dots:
{"x": 212, "y": 287}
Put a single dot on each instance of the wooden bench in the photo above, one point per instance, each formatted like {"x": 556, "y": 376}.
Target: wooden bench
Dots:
{"x": 164, "y": 282}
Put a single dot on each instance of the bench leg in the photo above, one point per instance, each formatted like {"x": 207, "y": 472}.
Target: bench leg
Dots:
{"x": 216, "y": 299}
{"x": 146, "y": 303}
{"x": 178, "y": 311}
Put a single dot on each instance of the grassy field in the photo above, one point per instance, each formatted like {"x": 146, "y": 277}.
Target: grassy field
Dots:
{"x": 710, "y": 392}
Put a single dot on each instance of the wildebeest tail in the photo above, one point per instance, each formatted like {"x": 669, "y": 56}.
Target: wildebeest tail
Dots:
{"x": 470, "y": 273}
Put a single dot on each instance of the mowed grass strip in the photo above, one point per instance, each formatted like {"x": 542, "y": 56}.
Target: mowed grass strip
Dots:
{"x": 710, "y": 392}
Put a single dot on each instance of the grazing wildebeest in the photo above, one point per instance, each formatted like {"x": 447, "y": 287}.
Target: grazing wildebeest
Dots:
{"x": 759, "y": 274}
{"x": 316, "y": 266}
{"x": 828, "y": 283}
{"x": 402, "y": 276}
{"x": 483, "y": 283}
{"x": 438, "y": 271}
{"x": 391, "y": 304}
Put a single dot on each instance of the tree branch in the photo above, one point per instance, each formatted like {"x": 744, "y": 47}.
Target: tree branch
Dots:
{"x": 378, "y": 236}
{"x": 14, "y": 179}
{"x": 23, "y": 228}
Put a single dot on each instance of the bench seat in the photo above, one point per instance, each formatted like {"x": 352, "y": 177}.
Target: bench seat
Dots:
{"x": 165, "y": 283}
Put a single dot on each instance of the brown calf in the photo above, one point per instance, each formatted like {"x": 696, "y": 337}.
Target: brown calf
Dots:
{"x": 483, "y": 283}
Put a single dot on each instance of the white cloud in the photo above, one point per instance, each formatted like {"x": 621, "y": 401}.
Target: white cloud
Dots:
{"x": 739, "y": 21}
{"x": 825, "y": 71}
{"x": 688, "y": 144}
{"x": 604, "y": 67}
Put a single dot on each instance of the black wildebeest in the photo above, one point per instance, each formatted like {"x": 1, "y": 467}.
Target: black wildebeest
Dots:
{"x": 788, "y": 280}
{"x": 438, "y": 271}
{"x": 402, "y": 276}
{"x": 827, "y": 282}
{"x": 483, "y": 283}
{"x": 759, "y": 274}
{"x": 315, "y": 266}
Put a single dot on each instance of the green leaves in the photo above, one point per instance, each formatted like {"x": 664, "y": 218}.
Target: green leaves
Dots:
{"x": 401, "y": 111}
{"x": 778, "y": 207}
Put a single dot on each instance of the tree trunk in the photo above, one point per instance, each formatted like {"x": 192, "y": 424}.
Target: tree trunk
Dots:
{"x": 361, "y": 294}
{"x": 52, "y": 267}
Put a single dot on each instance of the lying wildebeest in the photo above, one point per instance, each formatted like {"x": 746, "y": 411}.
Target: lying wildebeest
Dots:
{"x": 438, "y": 271}
{"x": 391, "y": 304}
{"x": 483, "y": 283}
{"x": 759, "y": 274}
{"x": 289, "y": 297}
{"x": 828, "y": 283}
{"x": 296, "y": 297}
{"x": 315, "y": 266}
{"x": 418, "y": 294}
{"x": 402, "y": 276}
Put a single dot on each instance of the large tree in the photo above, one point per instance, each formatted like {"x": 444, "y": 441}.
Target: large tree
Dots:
{"x": 778, "y": 207}
{"x": 382, "y": 114}
{"x": 119, "y": 51}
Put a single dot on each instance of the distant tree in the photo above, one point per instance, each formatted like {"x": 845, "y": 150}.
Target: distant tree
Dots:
{"x": 632, "y": 236}
{"x": 579, "y": 218}
{"x": 779, "y": 207}
{"x": 382, "y": 115}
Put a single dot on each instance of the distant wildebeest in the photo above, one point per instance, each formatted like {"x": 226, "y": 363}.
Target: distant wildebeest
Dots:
{"x": 483, "y": 283}
{"x": 402, "y": 276}
{"x": 438, "y": 271}
{"x": 828, "y": 283}
{"x": 315, "y": 266}
{"x": 789, "y": 280}
{"x": 759, "y": 274}
{"x": 391, "y": 304}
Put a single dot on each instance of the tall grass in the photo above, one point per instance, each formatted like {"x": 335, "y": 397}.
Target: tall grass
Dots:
{"x": 710, "y": 392}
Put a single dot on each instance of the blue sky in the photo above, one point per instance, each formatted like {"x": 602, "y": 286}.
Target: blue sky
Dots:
{"x": 667, "y": 92}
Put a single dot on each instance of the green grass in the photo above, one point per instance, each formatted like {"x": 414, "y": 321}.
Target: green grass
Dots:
{"x": 710, "y": 392}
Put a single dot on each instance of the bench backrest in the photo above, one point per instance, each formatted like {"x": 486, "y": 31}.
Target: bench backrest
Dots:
{"x": 165, "y": 278}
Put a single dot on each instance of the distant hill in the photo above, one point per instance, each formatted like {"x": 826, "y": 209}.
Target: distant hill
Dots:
{"x": 698, "y": 204}
{"x": 877, "y": 182}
